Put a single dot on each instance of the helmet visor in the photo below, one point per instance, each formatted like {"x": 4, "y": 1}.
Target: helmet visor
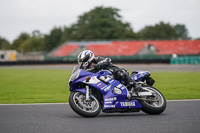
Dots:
{"x": 84, "y": 62}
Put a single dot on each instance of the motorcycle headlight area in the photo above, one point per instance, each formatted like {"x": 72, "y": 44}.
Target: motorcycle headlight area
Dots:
{"x": 117, "y": 90}
{"x": 75, "y": 75}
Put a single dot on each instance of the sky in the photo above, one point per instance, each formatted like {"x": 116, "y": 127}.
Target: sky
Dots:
{"x": 17, "y": 16}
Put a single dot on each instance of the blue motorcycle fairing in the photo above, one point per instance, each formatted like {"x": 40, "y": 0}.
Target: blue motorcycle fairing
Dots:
{"x": 128, "y": 104}
{"x": 104, "y": 73}
{"x": 77, "y": 78}
{"x": 140, "y": 75}
{"x": 83, "y": 90}
{"x": 85, "y": 73}
{"x": 76, "y": 83}
{"x": 111, "y": 99}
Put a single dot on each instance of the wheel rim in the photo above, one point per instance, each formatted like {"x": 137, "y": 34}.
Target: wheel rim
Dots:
{"x": 157, "y": 100}
{"x": 87, "y": 106}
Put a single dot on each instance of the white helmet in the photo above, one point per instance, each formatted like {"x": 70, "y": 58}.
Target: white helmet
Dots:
{"x": 85, "y": 58}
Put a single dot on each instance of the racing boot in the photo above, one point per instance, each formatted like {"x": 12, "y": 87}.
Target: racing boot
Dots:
{"x": 130, "y": 86}
{"x": 134, "y": 87}
{"x": 137, "y": 88}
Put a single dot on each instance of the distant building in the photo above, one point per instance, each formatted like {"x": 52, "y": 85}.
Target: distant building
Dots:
{"x": 8, "y": 55}
{"x": 31, "y": 56}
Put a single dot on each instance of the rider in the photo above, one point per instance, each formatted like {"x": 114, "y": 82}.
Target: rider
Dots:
{"x": 88, "y": 61}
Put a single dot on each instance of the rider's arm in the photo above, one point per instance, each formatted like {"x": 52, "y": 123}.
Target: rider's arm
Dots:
{"x": 99, "y": 63}
{"x": 102, "y": 62}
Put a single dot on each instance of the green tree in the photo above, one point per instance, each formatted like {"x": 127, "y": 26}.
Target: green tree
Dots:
{"x": 181, "y": 31}
{"x": 158, "y": 31}
{"x": 67, "y": 35}
{"x": 101, "y": 23}
{"x": 21, "y": 39}
{"x": 34, "y": 43}
{"x": 53, "y": 39}
{"x": 4, "y": 44}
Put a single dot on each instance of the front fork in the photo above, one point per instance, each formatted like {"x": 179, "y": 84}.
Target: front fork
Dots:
{"x": 87, "y": 93}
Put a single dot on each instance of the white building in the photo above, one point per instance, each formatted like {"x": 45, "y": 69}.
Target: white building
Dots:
{"x": 8, "y": 55}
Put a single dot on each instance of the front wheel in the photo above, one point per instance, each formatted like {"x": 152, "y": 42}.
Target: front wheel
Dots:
{"x": 78, "y": 103}
{"x": 154, "y": 104}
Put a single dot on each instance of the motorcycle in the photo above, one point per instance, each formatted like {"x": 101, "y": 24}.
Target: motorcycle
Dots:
{"x": 93, "y": 92}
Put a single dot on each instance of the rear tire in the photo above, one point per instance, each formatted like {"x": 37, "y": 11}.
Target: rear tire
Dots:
{"x": 153, "y": 108}
{"x": 86, "y": 109}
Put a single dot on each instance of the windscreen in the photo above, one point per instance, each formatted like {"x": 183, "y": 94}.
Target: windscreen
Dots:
{"x": 75, "y": 73}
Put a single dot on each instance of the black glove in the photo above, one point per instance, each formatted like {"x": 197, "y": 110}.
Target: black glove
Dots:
{"x": 96, "y": 67}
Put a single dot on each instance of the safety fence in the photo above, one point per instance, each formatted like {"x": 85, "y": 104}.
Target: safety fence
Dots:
{"x": 185, "y": 60}
{"x": 137, "y": 59}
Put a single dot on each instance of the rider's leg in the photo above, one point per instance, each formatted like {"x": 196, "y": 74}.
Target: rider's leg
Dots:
{"x": 122, "y": 75}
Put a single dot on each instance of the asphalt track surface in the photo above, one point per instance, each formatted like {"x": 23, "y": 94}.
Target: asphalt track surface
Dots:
{"x": 179, "y": 117}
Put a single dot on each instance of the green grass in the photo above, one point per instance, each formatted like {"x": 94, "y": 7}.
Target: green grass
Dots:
{"x": 51, "y": 86}
{"x": 178, "y": 85}
{"x": 33, "y": 86}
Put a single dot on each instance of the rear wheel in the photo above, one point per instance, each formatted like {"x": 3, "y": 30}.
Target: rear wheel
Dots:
{"x": 155, "y": 104}
{"x": 78, "y": 103}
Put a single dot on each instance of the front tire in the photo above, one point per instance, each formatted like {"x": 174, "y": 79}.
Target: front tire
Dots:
{"x": 78, "y": 103}
{"x": 153, "y": 105}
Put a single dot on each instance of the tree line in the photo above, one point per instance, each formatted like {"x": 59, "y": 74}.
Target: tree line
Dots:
{"x": 101, "y": 23}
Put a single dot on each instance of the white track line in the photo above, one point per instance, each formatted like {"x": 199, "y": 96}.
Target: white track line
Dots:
{"x": 184, "y": 100}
